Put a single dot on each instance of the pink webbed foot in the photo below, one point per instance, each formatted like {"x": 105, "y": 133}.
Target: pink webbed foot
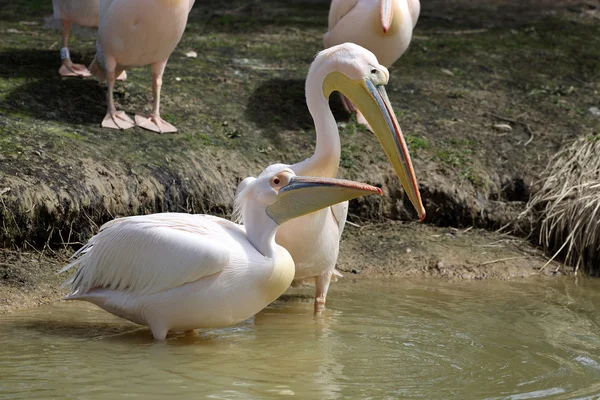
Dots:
{"x": 117, "y": 120}
{"x": 73, "y": 70}
{"x": 155, "y": 123}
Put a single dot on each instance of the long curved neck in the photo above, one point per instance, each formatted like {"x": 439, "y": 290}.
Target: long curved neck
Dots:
{"x": 326, "y": 159}
{"x": 260, "y": 228}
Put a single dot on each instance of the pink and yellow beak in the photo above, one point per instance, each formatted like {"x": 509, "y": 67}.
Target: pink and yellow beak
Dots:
{"x": 372, "y": 101}
{"x": 306, "y": 194}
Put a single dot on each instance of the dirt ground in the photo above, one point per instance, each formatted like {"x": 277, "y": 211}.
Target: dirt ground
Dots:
{"x": 239, "y": 105}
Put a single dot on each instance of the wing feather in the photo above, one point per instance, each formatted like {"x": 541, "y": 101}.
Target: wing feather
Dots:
{"x": 337, "y": 11}
{"x": 149, "y": 254}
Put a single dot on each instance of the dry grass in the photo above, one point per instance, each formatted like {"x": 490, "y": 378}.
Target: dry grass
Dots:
{"x": 567, "y": 207}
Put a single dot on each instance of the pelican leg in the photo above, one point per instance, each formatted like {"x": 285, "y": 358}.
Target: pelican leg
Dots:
{"x": 350, "y": 108}
{"x": 68, "y": 69}
{"x": 159, "y": 332}
{"x": 154, "y": 122}
{"x": 322, "y": 284}
{"x": 114, "y": 119}
{"x": 348, "y": 105}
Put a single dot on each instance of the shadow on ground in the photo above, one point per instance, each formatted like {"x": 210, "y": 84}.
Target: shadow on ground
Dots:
{"x": 280, "y": 104}
{"x": 78, "y": 101}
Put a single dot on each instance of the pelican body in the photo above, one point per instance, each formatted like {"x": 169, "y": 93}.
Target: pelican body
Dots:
{"x": 313, "y": 240}
{"x": 175, "y": 271}
{"x": 382, "y": 26}
{"x": 135, "y": 33}
{"x": 82, "y": 12}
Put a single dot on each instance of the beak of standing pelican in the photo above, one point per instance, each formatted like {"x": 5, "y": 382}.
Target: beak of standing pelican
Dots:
{"x": 373, "y": 102}
{"x": 303, "y": 195}
{"x": 386, "y": 14}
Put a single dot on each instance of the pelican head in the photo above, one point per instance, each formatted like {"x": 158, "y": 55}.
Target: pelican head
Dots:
{"x": 285, "y": 196}
{"x": 355, "y": 72}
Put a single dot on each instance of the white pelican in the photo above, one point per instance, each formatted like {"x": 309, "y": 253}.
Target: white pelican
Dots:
{"x": 382, "y": 26}
{"x": 82, "y": 12}
{"x": 313, "y": 240}
{"x": 175, "y": 271}
{"x": 135, "y": 33}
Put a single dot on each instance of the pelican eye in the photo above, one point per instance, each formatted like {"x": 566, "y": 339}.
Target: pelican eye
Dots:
{"x": 374, "y": 71}
{"x": 280, "y": 180}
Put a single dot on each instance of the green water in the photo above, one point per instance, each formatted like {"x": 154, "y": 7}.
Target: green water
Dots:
{"x": 377, "y": 339}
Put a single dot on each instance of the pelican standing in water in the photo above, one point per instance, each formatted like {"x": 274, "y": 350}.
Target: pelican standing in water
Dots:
{"x": 382, "y": 26}
{"x": 313, "y": 240}
{"x": 82, "y": 12}
{"x": 135, "y": 33}
{"x": 175, "y": 271}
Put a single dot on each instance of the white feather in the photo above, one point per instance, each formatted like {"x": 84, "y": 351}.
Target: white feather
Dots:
{"x": 149, "y": 254}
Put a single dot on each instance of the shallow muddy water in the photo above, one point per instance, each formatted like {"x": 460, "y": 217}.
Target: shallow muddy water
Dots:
{"x": 377, "y": 339}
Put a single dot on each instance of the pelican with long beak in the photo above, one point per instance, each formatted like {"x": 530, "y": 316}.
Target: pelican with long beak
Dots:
{"x": 313, "y": 240}
{"x": 175, "y": 271}
{"x": 384, "y": 27}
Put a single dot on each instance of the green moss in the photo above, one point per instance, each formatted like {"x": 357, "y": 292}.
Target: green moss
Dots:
{"x": 416, "y": 142}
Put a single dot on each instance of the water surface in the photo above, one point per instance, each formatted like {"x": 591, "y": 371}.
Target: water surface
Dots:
{"x": 377, "y": 339}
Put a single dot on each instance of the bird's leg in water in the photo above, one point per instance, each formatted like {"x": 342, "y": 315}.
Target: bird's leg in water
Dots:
{"x": 154, "y": 122}
{"x": 114, "y": 119}
{"x": 322, "y": 284}
{"x": 68, "y": 69}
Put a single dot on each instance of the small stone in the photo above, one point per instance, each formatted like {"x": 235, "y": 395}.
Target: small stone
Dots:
{"x": 178, "y": 79}
{"x": 12, "y": 30}
{"x": 439, "y": 265}
{"x": 191, "y": 54}
{"x": 447, "y": 72}
{"x": 409, "y": 250}
{"x": 502, "y": 127}
{"x": 355, "y": 271}
{"x": 595, "y": 111}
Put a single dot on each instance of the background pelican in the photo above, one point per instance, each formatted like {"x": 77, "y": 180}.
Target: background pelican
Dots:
{"x": 313, "y": 240}
{"x": 134, "y": 33}
{"x": 82, "y": 12}
{"x": 176, "y": 271}
{"x": 382, "y": 26}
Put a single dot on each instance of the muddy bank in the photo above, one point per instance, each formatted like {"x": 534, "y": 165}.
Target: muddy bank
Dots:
{"x": 239, "y": 105}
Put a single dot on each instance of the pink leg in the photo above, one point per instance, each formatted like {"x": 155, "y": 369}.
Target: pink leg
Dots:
{"x": 348, "y": 105}
{"x": 159, "y": 332}
{"x": 114, "y": 119}
{"x": 154, "y": 122}
{"x": 350, "y": 108}
{"x": 322, "y": 284}
{"x": 68, "y": 69}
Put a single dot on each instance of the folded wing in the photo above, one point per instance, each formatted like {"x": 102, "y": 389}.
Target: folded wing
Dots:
{"x": 152, "y": 253}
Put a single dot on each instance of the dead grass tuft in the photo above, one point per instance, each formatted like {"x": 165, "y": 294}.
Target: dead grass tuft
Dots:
{"x": 567, "y": 207}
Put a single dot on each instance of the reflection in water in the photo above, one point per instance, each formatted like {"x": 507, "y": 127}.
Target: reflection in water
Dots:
{"x": 424, "y": 338}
